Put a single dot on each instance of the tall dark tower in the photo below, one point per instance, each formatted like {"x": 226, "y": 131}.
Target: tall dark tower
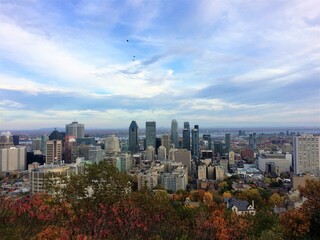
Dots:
{"x": 186, "y": 136}
{"x": 228, "y": 142}
{"x": 133, "y": 137}
{"x": 174, "y": 133}
{"x": 195, "y": 142}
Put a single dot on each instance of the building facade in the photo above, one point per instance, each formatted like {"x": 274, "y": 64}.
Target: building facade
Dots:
{"x": 75, "y": 129}
{"x": 134, "y": 137}
{"x": 306, "y": 150}
{"x": 151, "y": 134}
{"x": 174, "y": 133}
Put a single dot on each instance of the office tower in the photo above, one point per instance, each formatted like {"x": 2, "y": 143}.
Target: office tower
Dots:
{"x": 6, "y": 140}
{"x": 151, "y": 134}
{"x": 13, "y": 158}
{"x": 183, "y": 156}
{"x": 112, "y": 144}
{"x": 54, "y": 151}
{"x": 15, "y": 139}
{"x": 195, "y": 142}
{"x": 165, "y": 141}
{"x": 44, "y": 139}
{"x": 186, "y": 136}
{"x": 228, "y": 142}
{"x": 306, "y": 150}
{"x": 174, "y": 133}
{"x": 55, "y": 135}
{"x": 207, "y": 137}
{"x": 75, "y": 129}
{"x": 134, "y": 137}
{"x": 162, "y": 153}
{"x": 70, "y": 149}
{"x": 253, "y": 141}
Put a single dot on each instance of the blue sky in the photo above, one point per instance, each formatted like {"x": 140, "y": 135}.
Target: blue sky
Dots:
{"x": 211, "y": 62}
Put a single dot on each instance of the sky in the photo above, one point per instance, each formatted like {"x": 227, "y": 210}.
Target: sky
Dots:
{"x": 105, "y": 63}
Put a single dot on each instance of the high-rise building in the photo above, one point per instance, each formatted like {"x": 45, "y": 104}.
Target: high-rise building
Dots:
{"x": 6, "y": 140}
{"x": 228, "y": 142}
{"x": 15, "y": 140}
{"x": 13, "y": 158}
{"x": 75, "y": 129}
{"x": 195, "y": 142}
{"x": 162, "y": 153}
{"x": 112, "y": 144}
{"x": 70, "y": 149}
{"x": 96, "y": 154}
{"x": 54, "y": 151}
{"x": 202, "y": 172}
{"x": 306, "y": 149}
{"x": 207, "y": 137}
{"x": 165, "y": 141}
{"x": 186, "y": 136}
{"x": 134, "y": 137}
{"x": 183, "y": 156}
{"x": 150, "y": 152}
{"x": 44, "y": 139}
{"x": 124, "y": 162}
{"x": 151, "y": 134}
{"x": 174, "y": 133}
{"x": 253, "y": 141}
{"x": 55, "y": 135}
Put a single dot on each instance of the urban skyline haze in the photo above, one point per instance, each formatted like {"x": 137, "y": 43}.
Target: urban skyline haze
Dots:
{"x": 106, "y": 63}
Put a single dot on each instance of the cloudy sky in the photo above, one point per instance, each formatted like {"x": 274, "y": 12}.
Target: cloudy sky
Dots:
{"x": 211, "y": 62}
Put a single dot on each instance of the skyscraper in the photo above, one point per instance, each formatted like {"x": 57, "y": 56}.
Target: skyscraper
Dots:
{"x": 186, "y": 136}
{"x": 207, "y": 137}
{"x": 253, "y": 141}
{"x": 306, "y": 149}
{"x": 75, "y": 129}
{"x": 133, "y": 137}
{"x": 195, "y": 141}
{"x": 54, "y": 151}
{"x": 165, "y": 141}
{"x": 112, "y": 144}
{"x": 174, "y": 133}
{"x": 228, "y": 142}
{"x": 151, "y": 134}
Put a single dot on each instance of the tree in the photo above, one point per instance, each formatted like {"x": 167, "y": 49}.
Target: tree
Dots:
{"x": 295, "y": 224}
{"x": 311, "y": 207}
{"x": 276, "y": 200}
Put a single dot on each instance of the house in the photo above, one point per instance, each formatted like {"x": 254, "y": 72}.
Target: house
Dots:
{"x": 240, "y": 207}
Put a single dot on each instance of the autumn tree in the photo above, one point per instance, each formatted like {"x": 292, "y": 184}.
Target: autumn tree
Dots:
{"x": 311, "y": 207}
{"x": 295, "y": 224}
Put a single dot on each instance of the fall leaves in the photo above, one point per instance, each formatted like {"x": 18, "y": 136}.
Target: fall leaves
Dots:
{"x": 113, "y": 212}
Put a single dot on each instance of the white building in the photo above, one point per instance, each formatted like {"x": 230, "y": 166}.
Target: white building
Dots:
{"x": 281, "y": 162}
{"x": 148, "y": 179}
{"x": 306, "y": 150}
{"x": 176, "y": 180}
{"x": 13, "y": 158}
{"x": 38, "y": 174}
{"x": 162, "y": 153}
{"x": 112, "y": 144}
{"x": 150, "y": 153}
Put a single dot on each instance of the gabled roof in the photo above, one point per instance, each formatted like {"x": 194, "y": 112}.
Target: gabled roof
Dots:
{"x": 242, "y": 205}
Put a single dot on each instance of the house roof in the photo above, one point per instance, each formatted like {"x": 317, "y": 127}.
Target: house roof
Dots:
{"x": 242, "y": 205}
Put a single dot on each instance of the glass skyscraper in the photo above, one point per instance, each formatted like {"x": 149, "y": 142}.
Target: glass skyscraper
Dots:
{"x": 151, "y": 134}
{"x": 133, "y": 137}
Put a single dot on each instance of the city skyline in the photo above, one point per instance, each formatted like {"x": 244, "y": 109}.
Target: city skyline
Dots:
{"x": 106, "y": 63}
